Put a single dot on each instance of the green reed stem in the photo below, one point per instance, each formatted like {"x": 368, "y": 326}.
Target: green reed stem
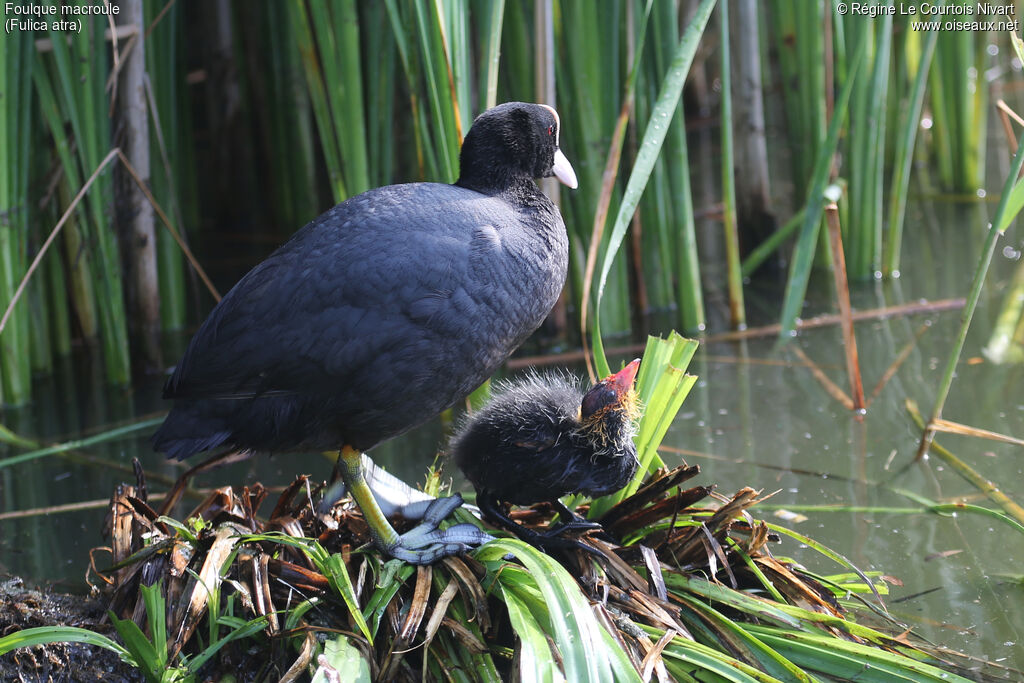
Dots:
{"x": 737, "y": 314}
{"x": 15, "y": 366}
{"x": 994, "y": 232}
{"x": 904, "y": 152}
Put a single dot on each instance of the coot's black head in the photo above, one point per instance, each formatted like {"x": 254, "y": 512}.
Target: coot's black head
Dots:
{"x": 510, "y": 144}
{"x": 608, "y": 411}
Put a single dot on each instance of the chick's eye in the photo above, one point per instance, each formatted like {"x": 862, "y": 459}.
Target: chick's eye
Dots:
{"x": 551, "y": 129}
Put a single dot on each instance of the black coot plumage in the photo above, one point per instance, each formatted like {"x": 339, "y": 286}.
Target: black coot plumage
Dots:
{"x": 381, "y": 313}
{"x": 542, "y": 438}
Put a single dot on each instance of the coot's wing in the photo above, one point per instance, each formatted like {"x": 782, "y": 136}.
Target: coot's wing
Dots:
{"x": 361, "y": 297}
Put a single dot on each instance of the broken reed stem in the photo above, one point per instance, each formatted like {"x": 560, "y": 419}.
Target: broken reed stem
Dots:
{"x": 912, "y": 308}
{"x": 972, "y": 303}
{"x": 991, "y": 491}
{"x": 170, "y": 227}
{"x": 845, "y": 311}
{"x": 951, "y": 427}
{"x": 1004, "y": 116}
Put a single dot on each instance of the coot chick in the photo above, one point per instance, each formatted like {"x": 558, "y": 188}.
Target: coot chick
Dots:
{"x": 542, "y": 438}
{"x": 381, "y": 313}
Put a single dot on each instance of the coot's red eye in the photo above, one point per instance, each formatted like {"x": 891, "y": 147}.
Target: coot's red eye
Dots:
{"x": 551, "y": 129}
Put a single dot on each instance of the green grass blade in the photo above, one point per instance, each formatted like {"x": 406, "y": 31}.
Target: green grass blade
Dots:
{"x": 708, "y": 664}
{"x": 761, "y": 609}
{"x": 156, "y": 618}
{"x": 837, "y": 657}
{"x": 733, "y": 637}
{"x": 535, "y": 663}
{"x": 1013, "y": 206}
{"x": 142, "y": 652}
{"x": 111, "y": 435}
{"x": 43, "y": 635}
{"x": 827, "y": 552}
{"x": 575, "y": 629}
{"x": 248, "y": 629}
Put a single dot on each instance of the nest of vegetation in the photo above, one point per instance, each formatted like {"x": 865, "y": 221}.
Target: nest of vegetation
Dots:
{"x": 692, "y": 588}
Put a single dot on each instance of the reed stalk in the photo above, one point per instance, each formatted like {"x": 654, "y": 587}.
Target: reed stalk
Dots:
{"x": 865, "y": 147}
{"x": 167, "y": 143}
{"x": 81, "y": 292}
{"x": 750, "y": 152}
{"x": 328, "y": 37}
{"x": 959, "y": 108}
{"x": 737, "y": 313}
{"x": 440, "y": 86}
{"x": 302, "y": 34}
{"x": 800, "y": 43}
{"x": 491, "y": 22}
{"x": 995, "y": 230}
{"x": 845, "y": 311}
{"x": 71, "y": 87}
{"x": 381, "y": 74}
{"x": 15, "y": 72}
{"x": 910, "y": 118}
{"x": 57, "y": 307}
{"x": 421, "y": 35}
{"x": 594, "y": 87}
{"x": 803, "y": 254}
{"x": 135, "y": 214}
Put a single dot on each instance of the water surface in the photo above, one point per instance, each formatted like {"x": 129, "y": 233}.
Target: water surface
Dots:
{"x": 757, "y": 417}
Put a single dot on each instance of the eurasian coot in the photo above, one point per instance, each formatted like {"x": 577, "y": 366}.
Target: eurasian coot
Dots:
{"x": 381, "y": 313}
{"x": 542, "y": 438}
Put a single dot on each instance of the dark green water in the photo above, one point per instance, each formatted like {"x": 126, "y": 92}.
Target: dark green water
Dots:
{"x": 756, "y": 418}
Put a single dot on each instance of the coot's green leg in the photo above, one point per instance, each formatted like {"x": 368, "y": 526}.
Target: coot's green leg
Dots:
{"x": 423, "y": 545}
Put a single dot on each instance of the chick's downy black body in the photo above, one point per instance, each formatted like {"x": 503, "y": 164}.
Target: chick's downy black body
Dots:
{"x": 386, "y": 309}
{"x": 542, "y": 437}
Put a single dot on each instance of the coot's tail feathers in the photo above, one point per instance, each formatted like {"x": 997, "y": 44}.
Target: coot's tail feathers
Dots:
{"x": 183, "y": 435}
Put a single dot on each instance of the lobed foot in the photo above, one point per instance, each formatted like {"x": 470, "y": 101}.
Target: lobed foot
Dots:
{"x": 380, "y": 495}
{"x": 426, "y": 543}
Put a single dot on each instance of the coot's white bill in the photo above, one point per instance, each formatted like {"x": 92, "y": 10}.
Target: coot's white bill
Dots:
{"x": 563, "y": 170}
